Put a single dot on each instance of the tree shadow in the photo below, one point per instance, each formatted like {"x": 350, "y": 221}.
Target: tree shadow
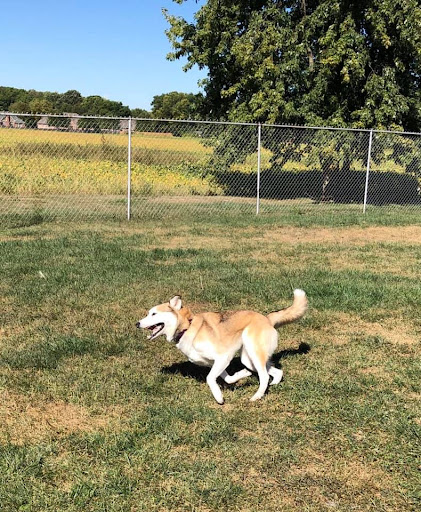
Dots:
{"x": 344, "y": 187}
{"x": 199, "y": 373}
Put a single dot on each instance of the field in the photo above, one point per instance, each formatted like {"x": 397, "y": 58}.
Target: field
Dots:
{"x": 43, "y": 162}
{"x": 93, "y": 417}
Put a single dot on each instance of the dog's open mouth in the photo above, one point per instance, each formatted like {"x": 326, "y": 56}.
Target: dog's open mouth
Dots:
{"x": 156, "y": 329}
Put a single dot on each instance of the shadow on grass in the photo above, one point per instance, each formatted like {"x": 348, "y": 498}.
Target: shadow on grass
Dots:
{"x": 46, "y": 354}
{"x": 25, "y": 220}
{"x": 199, "y": 373}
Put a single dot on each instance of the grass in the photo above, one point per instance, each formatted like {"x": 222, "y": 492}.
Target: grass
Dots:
{"x": 27, "y": 210}
{"x": 95, "y": 418}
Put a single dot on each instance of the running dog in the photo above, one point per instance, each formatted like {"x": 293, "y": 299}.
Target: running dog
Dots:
{"x": 213, "y": 339}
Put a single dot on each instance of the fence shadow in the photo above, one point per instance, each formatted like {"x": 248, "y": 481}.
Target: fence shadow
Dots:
{"x": 339, "y": 187}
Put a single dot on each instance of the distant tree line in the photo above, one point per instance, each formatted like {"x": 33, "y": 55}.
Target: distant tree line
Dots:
{"x": 172, "y": 105}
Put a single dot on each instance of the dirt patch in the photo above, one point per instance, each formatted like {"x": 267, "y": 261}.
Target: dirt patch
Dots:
{"x": 375, "y": 371}
{"x": 28, "y": 419}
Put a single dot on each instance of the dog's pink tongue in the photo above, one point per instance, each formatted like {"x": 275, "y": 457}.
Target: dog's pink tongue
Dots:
{"x": 154, "y": 328}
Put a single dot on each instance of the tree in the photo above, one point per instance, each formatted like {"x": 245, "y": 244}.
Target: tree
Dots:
{"x": 329, "y": 62}
{"x": 71, "y": 97}
{"x": 322, "y": 63}
{"x": 98, "y": 106}
{"x": 40, "y": 106}
{"x": 141, "y": 113}
{"x": 70, "y": 101}
{"x": 19, "y": 106}
{"x": 176, "y": 105}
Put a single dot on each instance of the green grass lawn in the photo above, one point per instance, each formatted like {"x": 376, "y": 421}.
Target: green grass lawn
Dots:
{"x": 93, "y": 417}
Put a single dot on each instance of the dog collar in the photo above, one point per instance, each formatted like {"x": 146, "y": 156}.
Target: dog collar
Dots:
{"x": 179, "y": 335}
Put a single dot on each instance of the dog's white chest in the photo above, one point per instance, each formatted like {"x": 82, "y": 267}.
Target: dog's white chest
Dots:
{"x": 194, "y": 355}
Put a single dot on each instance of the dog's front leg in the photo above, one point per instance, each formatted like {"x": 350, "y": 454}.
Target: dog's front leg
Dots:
{"x": 218, "y": 367}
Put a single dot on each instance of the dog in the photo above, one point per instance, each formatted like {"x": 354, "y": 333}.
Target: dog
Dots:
{"x": 213, "y": 339}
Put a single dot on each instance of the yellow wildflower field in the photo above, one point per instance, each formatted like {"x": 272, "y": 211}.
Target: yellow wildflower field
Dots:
{"x": 142, "y": 140}
{"x": 40, "y": 175}
{"x": 39, "y": 162}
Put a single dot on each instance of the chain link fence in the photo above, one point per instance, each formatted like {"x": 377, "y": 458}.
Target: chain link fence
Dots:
{"x": 73, "y": 167}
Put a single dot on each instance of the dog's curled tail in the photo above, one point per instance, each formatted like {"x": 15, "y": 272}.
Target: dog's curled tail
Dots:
{"x": 292, "y": 313}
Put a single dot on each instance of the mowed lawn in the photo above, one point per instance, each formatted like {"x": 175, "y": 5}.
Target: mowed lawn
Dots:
{"x": 93, "y": 417}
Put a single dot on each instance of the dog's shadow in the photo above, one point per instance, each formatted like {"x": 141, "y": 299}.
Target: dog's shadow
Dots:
{"x": 190, "y": 370}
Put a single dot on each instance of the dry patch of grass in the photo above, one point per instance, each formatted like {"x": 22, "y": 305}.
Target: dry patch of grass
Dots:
{"x": 403, "y": 267}
{"x": 347, "y": 236}
{"x": 268, "y": 240}
{"x": 28, "y": 418}
{"x": 175, "y": 242}
{"x": 355, "y": 477}
{"x": 343, "y": 327}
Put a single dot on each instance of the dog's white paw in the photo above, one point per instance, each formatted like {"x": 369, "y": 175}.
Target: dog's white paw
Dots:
{"x": 277, "y": 375}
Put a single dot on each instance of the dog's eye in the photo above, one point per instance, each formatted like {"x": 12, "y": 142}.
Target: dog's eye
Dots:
{"x": 153, "y": 313}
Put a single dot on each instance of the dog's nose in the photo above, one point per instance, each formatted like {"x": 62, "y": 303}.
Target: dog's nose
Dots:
{"x": 138, "y": 325}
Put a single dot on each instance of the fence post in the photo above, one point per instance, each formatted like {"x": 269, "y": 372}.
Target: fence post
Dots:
{"x": 129, "y": 168}
{"x": 368, "y": 170}
{"x": 259, "y": 137}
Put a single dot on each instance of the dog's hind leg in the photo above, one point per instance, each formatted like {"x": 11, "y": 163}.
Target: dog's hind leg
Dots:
{"x": 263, "y": 380}
{"x": 256, "y": 360}
{"x": 218, "y": 369}
{"x": 258, "y": 347}
{"x": 276, "y": 374}
{"x": 231, "y": 379}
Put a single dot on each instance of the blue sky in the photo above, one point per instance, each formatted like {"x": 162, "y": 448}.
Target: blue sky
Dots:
{"x": 114, "y": 49}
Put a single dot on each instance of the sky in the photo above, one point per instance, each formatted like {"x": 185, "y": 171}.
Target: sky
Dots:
{"x": 114, "y": 49}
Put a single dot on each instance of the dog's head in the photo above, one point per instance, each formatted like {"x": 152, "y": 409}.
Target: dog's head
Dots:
{"x": 166, "y": 319}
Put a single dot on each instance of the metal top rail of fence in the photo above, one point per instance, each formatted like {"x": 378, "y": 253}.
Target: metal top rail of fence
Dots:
{"x": 71, "y": 166}
{"x": 211, "y": 122}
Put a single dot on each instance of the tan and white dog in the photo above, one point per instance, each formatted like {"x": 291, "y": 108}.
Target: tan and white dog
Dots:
{"x": 213, "y": 339}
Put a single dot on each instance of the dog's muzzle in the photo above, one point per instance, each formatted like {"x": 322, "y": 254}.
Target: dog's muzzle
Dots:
{"x": 155, "y": 329}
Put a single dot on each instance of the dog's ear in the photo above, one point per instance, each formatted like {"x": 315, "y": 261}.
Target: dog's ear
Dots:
{"x": 176, "y": 303}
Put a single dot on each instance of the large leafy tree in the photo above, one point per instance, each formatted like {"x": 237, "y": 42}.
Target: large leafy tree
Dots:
{"x": 328, "y": 62}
